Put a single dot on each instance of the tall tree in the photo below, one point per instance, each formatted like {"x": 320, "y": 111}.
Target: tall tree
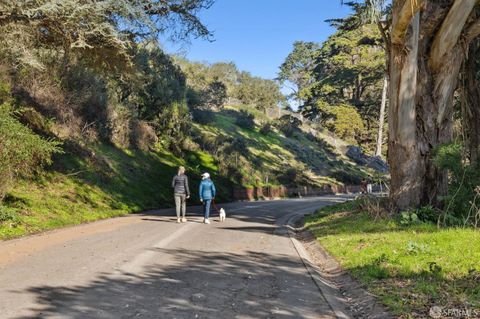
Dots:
{"x": 349, "y": 70}
{"x": 375, "y": 12}
{"x": 428, "y": 40}
{"x": 297, "y": 69}
{"x": 261, "y": 93}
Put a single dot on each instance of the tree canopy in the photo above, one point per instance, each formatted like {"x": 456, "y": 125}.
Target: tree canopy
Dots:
{"x": 298, "y": 68}
{"x": 346, "y": 72}
{"x": 101, "y": 31}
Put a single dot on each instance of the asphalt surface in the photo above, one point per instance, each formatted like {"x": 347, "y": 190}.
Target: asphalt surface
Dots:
{"x": 148, "y": 266}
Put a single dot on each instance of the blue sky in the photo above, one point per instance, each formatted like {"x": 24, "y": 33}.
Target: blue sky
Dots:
{"x": 258, "y": 34}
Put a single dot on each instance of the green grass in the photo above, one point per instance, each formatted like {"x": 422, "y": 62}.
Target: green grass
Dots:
{"x": 114, "y": 183}
{"x": 410, "y": 268}
{"x": 250, "y": 109}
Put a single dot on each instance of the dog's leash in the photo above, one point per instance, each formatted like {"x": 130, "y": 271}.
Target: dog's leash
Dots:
{"x": 215, "y": 206}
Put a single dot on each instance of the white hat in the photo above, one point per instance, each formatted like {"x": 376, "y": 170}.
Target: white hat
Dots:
{"x": 205, "y": 175}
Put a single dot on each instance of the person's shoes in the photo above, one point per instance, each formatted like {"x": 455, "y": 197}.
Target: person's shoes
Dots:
{"x": 207, "y": 221}
{"x": 178, "y": 220}
{"x": 184, "y": 220}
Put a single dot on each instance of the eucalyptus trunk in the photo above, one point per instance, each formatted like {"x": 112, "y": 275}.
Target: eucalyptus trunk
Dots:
{"x": 403, "y": 154}
{"x": 425, "y": 61}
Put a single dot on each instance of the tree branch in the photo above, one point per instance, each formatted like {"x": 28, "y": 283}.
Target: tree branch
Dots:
{"x": 449, "y": 34}
{"x": 385, "y": 37}
{"x": 473, "y": 31}
{"x": 403, "y": 19}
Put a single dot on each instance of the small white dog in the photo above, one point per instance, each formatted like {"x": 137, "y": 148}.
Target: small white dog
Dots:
{"x": 222, "y": 215}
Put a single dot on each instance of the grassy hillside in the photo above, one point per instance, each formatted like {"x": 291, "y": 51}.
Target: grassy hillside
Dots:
{"x": 304, "y": 153}
{"x": 110, "y": 182}
{"x": 100, "y": 180}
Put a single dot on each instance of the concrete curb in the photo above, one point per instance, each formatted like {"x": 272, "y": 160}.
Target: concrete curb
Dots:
{"x": 328, "y": 289}
{"x": 344, "y": 294}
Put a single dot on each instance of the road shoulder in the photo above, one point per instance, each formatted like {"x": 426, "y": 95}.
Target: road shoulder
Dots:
{"x": 344, "y": 294}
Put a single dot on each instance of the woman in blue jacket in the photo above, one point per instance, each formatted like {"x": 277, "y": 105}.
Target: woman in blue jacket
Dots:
{"x": 207, "y": 194}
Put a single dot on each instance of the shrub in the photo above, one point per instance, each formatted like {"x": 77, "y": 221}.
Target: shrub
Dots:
{"x": 204, "y": 117}
{"x": 239, "y": 145}
{"x": 173, "y": 125}
{"x": 266, "y": 129}
{"x": 142, "y": 135}
{"x": 346, "y": 176}
{"x": 288, "y": 125}
{"x": 216, "y": 94}
{"x": 291, "y": 176}
{"x": 8, "y": 215}
{"x": 245, "y": 120}
{"x": 22, "y": 152}
{"x": 409, "y": 218}
{"x": 347, "y": 123}
{"x": 461, "y": 205}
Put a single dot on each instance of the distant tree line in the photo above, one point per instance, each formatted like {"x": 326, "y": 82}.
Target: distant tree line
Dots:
{"x": 214, "y": 85}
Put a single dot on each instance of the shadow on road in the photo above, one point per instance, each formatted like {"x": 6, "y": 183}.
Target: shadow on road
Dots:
{"x": 195, "y": 285}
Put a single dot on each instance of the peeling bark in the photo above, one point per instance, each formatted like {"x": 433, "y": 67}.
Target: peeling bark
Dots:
{"x": 381, "y": 120}
{"x": 404, "y": 13}
{"x": 403, "y": 153}
{"x": 447, "y": 37}
{"x": 424, "y": 71}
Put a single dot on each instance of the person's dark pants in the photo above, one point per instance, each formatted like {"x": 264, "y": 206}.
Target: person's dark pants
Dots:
{"x": 206, "y": 207}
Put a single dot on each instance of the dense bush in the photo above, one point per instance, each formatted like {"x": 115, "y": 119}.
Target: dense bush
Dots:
{"x": 157, "y": 85}
{"x": 266, "y": 129}
{"x": 245, "y": 120}
{"x": 462, "y": 204}
{"x": 173, "y": 126}
{"x": 239, "y": 145}
{"x": 204, "y": 117}
{"x": 346, "y": 177}
{"x": 21, "y": 150}
{"x": 347, "y": 123}
{"x": 215, "y": 94}
{"x": 143, "y": 136}
{"x": 288, "y": 125}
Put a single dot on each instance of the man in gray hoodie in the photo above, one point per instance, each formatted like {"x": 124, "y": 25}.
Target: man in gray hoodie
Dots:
{"x": 181, "y": 192}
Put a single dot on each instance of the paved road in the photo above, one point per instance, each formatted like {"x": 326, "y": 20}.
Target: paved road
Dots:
{"x": 147, "y": 266}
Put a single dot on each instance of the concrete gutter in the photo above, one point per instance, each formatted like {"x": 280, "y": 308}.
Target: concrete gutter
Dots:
{"x": 345, "y": 295}
{"x": 328, "y": 289}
